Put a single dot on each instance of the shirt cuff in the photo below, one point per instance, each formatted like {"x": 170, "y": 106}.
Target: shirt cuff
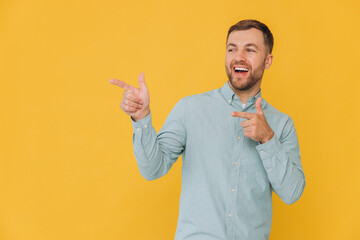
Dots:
{"x": 268, "y": 150}
{"x": 142, "y": 124}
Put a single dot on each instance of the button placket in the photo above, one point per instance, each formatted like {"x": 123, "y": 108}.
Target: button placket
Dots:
{"x": 234, "y": 177}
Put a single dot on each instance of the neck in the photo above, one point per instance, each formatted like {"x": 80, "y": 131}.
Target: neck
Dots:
{"x": 244, "y": 95}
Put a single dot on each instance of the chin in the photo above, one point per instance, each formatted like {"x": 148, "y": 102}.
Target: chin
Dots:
{"x": 240, "y": 85}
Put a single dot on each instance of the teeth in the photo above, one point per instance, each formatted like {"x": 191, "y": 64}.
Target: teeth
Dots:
{"x": 241, "y": 69}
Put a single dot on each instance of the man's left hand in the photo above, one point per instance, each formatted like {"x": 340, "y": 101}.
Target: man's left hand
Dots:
{"x": 256, "y": 126}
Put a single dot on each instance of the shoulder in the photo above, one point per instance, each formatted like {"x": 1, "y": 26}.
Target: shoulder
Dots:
{"x": 202, "y": 97}
{"x": 279, "y": 121}
{"x": 272, "y": 112}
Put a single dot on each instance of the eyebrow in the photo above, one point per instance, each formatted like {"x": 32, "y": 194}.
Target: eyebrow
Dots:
{"x": 231, "y": 44}
{"x": 247, "y": 45}
{"x": 251, "y": 45}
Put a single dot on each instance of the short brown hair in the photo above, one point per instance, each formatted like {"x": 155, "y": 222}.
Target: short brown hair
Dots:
{"x": 251, "y": 23}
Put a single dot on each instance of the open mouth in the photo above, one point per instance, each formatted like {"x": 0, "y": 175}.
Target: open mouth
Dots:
{"x": 241, "y": 70}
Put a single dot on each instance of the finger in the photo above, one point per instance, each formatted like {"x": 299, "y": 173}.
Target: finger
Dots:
{"x": 123, "y": 85}
{"x": 249, "y": 134}
{"x": 132, "y": 97}
{"x": 247, "y": 129}
{"x": 130, "y": 103}
{"x": 243, "y": 115}
{"x": 259, "y": 109}
{"x": 127, "y": 108}
{"x": 246, "y": 123}
{"x": 142, "y": 83}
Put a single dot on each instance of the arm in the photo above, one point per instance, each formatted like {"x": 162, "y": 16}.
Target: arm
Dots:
{"x": 280, "y": 155}
{"x": 281, "y": 159}
{"x": 155, "y": 154}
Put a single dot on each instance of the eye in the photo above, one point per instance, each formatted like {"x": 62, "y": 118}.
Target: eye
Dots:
{"x": 230, "y": 50}
{"x": 250, "y": 50}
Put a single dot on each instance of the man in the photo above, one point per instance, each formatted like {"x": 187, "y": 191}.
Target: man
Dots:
{"x": 236, "y": 147}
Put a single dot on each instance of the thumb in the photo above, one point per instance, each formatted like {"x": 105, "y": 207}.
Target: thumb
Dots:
{"x": 141, "y": 81}
{"x": 259, "y": 109}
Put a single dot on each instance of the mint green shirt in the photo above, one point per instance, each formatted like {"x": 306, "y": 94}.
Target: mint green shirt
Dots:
{"x": 227, "y": 178}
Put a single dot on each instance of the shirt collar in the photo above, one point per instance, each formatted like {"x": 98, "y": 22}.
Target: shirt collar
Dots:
{"x": 229, "y": 94}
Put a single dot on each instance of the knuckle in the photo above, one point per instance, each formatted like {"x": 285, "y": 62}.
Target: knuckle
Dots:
{"x": 123, "y": 107}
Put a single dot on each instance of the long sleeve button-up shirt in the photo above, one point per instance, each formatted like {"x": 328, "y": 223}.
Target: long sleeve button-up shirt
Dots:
{"x": 227, "y": 178}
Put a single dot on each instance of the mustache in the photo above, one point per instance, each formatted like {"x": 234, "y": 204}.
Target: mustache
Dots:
{"x": 240, "y": 63}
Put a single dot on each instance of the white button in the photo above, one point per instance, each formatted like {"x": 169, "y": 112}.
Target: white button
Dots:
{"x": 145, "y": 126}
{"x": 239, "y": 137}
{"x": 235, "y": 97}
{"x": 262, "y": 151}
{"x": 230, "y": 215}
{"x": 269, "y": 170}
{"x": 235, "y": 163}
{"x": 138, "y": 129}
{"x": 229, "y": 101}
{"x": 233, "y": 190}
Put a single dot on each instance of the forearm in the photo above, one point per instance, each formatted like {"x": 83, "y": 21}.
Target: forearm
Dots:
{"x": 156, "y": 153}
{"x": 282, "y": 164}
{"x": 150, "y": 159}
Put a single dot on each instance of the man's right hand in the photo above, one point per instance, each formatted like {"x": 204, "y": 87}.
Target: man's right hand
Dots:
{"x": 136, "y": 100}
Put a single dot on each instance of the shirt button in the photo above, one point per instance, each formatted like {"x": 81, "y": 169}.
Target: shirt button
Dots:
{"x": 230, "y": 215}
{"x": 145, "y": 126}
{"x": 262, "y": 151}
{"x": 138, "y": 129}
{"x": 269, "y": 170}
{"x": 235, "y": 97}
{"x": 229, "y": 101}
{"x": 239, "y": 137}
{"x": 235, "y": 163}
{"x": 233, "y": 190}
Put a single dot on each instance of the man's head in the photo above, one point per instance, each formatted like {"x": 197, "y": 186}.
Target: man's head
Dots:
{"x": 250, "y": 23}
{"x": 248, "y": 53}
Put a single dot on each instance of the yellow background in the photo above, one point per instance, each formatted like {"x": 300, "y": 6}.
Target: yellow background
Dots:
{"x": 67, "y": 169}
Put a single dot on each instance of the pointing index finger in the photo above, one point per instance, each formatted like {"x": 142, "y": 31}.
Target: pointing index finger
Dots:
{"x": 242, "y": 115}
{"x": 123, "y": 85}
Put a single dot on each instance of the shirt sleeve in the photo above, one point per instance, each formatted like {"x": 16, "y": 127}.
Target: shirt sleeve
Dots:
{"x": 281, "y": 159}
{"x": 156, "y": 153}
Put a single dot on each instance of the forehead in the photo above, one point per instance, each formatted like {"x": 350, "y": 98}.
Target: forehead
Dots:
{"x": 243, "y": 37}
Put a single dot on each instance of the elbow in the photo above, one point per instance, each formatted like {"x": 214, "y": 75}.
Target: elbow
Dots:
{"x": 148, "y": 177}
{"x": 295, "y": 194}
{"x": 153, "y": 172}
{"x": 290, "y": 201}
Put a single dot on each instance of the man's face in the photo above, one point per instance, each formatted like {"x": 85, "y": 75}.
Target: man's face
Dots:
{"x": 246, "y": 59}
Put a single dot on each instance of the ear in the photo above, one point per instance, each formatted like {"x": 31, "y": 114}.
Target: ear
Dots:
{"x": 268, "y": 61}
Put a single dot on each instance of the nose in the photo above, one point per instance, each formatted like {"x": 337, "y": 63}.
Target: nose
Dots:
{"x": 240, "y": 56}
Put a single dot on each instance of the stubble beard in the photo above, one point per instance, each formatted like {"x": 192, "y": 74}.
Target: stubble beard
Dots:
{"x": 246, "y": 84}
